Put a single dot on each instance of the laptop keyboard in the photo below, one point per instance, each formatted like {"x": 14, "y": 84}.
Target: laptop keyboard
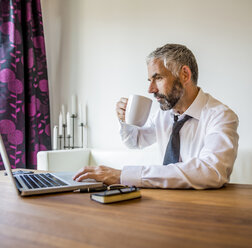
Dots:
{"x": 47, "y": 180}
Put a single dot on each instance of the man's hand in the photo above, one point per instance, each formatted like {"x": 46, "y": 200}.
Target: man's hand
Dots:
{"x": 121, "y": 108}
{"x": 100, "y": 173}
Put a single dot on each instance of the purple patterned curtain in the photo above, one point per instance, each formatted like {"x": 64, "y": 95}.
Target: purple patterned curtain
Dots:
{"x": 24, "y": 98}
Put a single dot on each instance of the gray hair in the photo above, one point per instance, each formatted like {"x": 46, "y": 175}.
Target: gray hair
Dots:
{"x": 175, "y": 56}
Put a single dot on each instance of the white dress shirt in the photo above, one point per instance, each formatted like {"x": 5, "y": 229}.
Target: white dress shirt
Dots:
{"x": 208, "y": 147}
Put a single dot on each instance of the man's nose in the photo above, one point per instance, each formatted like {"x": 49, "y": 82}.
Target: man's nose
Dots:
{"x": 153, "y": 88}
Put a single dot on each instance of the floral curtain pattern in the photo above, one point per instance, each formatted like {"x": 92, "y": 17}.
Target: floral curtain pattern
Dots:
{"x": 24, "y": 97}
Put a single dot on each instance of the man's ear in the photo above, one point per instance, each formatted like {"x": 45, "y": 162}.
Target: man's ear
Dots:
{"x": 185, "y": 74}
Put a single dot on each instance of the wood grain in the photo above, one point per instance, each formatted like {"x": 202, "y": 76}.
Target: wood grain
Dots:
{"x": 161, "y": 218}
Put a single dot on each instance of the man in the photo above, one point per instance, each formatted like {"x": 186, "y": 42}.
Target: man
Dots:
{"x": 196, "y": 134}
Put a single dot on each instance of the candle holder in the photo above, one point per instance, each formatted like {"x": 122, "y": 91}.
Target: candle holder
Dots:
{"x": 64, "y": 135}
{"x": 82, "y": 126}
{"x": 69, "y": 145}
{"x": 68, "y": 141}
{"x": 70, "y": 130}
{"x": 73, "y": 116}
{"x": 60, "y": 137}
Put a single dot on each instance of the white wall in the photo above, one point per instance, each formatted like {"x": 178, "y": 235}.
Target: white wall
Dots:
{"x": 97, "y": 49}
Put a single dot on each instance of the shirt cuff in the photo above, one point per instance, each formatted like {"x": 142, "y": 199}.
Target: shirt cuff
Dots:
{"x": 124, "y": 125}
{"x": 132, "y": 176}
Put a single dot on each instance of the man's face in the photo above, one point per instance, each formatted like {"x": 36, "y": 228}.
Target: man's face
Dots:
{"x": 166, "y": 88}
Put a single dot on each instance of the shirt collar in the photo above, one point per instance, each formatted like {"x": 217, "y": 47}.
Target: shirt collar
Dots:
{"x": 197, "y": 105}
{"x": 194, "y": 109}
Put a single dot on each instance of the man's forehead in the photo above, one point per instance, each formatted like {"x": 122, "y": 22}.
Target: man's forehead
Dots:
{"x": 156, "y": 62}
{"x": 156, "y": 66}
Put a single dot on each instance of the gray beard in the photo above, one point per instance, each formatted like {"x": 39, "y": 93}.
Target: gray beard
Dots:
{"x": 168, "y": 102}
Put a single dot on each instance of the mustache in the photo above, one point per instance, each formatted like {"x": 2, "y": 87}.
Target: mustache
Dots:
{"x": 157, "y": 95}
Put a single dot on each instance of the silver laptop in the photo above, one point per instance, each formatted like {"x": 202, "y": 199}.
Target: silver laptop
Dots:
{"x": 42, "y": 183}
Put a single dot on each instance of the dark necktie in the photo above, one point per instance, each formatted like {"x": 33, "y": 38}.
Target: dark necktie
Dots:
{"x": 173, "y": 147}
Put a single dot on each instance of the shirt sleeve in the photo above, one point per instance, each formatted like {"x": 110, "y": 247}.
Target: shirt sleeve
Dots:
{"x": 138, "y": 137}
{"x": 211, "y": 169}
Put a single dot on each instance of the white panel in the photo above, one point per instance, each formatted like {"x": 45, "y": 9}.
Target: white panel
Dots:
{"x": 63, "y": 160}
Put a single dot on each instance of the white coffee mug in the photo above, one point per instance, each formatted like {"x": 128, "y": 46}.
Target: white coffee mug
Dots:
{"x": 137, "y": 110}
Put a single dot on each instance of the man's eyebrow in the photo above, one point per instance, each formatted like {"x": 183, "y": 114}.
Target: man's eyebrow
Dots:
{"x": 154, "y": 76}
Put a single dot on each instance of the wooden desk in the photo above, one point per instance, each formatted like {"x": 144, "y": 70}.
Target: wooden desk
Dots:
{"x": 162, "y": 218}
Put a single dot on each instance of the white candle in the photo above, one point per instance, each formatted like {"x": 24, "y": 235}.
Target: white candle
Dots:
{"x": 74, "y": 104}
{"x": 80, "y": 114}
{"x": 55, "y": 138}
{"x": 60, "y": 124}
{"x": 63, "y": 114}
{"x": 68, "y": 124}
{"x": 84, "y": 118}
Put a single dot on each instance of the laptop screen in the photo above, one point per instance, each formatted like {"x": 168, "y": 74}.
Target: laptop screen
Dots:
{"x": 6, "y": 162}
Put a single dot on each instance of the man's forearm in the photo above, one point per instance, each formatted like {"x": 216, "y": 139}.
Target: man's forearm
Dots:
{"x": 196, "y": 173}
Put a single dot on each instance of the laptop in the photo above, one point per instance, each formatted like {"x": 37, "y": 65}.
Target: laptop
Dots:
{"x": 43, "y": 183}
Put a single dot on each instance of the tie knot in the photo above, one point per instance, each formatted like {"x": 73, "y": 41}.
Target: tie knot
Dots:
{"x": 175, "y": 118}
{"x": 179, "y": 124}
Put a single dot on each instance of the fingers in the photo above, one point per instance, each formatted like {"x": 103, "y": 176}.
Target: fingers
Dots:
{"x": 123, "y": 102}
{"x": 121, "y": 108}
{"x": 83, "y": 171}
{"x": 88, "y": 175}
{"x": 99, "y": 173}
{"x": 89, "y": 172}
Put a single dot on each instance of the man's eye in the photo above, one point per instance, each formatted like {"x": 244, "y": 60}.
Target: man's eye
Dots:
{"x": 158, "y": 78}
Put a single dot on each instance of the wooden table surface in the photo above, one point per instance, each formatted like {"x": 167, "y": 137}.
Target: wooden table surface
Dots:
{"x": 161, "y": 218}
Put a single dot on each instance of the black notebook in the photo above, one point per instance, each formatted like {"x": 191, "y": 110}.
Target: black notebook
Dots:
{"x": 116, "y": 195}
